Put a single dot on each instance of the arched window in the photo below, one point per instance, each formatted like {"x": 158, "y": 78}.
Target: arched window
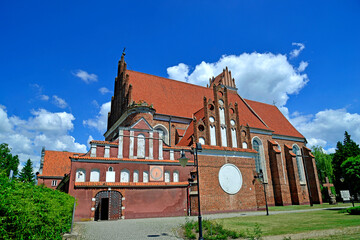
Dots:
{"x": 124, "y": 175}
{"x": 165, "y": 134}
{"x": 222, "y": 115}
{"x": 244, "y": 145}
{"x": 167, "y": 176}
{"x": 299, "y": 163}
{"x": 176, "y": 176}
{"x": 212, "y": 135}
{"x": 136, "y": 176}
{"x": 223, "y": 136}
{"x": 140, "y": 146}
{"x": 95, "y": 175}
{"x": 202, "y": 140}
{"x": 110, "y": 175}
{"x": 259, "y": 157}
{"x": 233, "y": 137}
{"x": 145, "y": 176}
{"x": 80, "y": 175}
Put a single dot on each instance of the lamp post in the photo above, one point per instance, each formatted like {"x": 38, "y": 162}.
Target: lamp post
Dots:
{"x": 261, "y": 177}
{"x": 342, "y": 180}
{"x": 183, "y": 161}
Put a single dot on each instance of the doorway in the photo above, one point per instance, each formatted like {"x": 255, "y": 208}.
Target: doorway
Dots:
{"x": 108, "y": 205}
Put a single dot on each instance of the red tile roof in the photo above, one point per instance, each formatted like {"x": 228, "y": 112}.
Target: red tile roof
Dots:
{"x": 274, "y": 119}
{"x": 57, "y": 163}
{"x": 182, "y": 99}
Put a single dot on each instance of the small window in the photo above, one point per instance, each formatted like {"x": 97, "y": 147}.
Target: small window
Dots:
{"x": 111, "y": 169}
{"x": 202, "y": 140}
{"x": 124, "y": 175}
{"x": 136, "y": 176}
{"x": 145, "y": 176}
{"x": 54, "y": 183}
{"x": 176, "y": 176}
{"x": 80, "y": 175}
{"x": 244, "y": 145}
{"x": 167, "y": 176}
{"x": 94, "y": 175}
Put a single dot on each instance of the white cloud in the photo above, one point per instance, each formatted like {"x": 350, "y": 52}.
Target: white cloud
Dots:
{"x": 294, "y": 53}
{"x": 44, "y": 97}
{"x": 179, "y": 72}
{"x": 327, "y": 127}
{"x": 104, "y": 90}
{"x": 26, "y": 137}
{"x": 302, "y": 66}
{"x": 61, "y": 103}
{"x": 85, "y": 76}
{"x": 100, "y": 121}
{"x": 264, "y": 77}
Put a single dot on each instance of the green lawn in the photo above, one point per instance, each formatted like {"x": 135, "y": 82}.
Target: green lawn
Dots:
{"x": 302, "y": 207}
{"x": 279, "y": 224}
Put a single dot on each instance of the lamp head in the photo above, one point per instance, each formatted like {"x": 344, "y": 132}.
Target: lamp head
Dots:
{"x": 183, "y": 159}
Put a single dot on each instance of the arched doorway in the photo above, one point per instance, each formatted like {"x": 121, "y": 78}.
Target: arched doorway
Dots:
{"x": 108, "y": 205}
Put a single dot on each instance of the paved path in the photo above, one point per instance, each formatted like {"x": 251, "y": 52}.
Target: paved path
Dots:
{"x": 153, "y": 228}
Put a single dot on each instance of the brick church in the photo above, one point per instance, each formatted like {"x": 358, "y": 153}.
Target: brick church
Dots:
{"x": 135, "y": 171}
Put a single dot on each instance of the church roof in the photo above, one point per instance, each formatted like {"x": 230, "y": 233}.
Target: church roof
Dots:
{"x": 175, "y": 98}
{"x": 57, "y": 163}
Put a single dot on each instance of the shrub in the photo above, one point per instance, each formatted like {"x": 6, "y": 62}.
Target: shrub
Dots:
{"x": 33, "y": 212}
{"x": 353, "y": 210}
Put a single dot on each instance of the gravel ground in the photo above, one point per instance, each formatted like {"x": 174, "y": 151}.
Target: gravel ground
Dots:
{"x": 150, "y": 228}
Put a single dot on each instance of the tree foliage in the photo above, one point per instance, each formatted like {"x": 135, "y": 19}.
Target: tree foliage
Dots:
{"x": 7, "y": 160}
{"x": 28, "y": 211}
{"x": 27, "y": 174}
{"x": 344, "y": 150}
{"x": 351, "y": 168}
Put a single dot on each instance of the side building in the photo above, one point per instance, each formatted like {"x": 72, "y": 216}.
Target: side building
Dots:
{"x": 135, "y": 172}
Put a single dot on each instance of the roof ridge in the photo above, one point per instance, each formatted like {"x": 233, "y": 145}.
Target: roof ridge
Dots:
{"x": 169, "y": 79}
{"x": 253, "y": 111}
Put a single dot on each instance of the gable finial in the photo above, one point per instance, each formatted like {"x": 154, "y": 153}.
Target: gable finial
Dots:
{"x": 123, "y": 53}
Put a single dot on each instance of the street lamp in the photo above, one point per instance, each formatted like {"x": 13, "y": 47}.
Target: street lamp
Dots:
{"x": 261, "y": 177}
{"x": 342, "y": 180}
{"x": 183, "y": 161}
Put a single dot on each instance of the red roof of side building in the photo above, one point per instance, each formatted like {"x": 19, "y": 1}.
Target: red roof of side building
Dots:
{"x": 57, "y": 163}
{"x": 272, "y": 116}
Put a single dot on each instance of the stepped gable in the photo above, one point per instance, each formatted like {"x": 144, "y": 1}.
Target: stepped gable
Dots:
{"x": 57, "y": 163}
{"x": 175, "y": 98}
{"x": 274, "y": 119}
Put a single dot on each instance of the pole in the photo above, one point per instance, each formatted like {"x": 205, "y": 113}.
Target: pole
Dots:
{"x": 198, "y": 188}
{"x": 266, "y": 204}
{"x": 73, "y": 215}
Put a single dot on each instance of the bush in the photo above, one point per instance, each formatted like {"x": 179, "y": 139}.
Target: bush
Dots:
{"x": 353, "y": 210}
{"x": 33, "y": 212}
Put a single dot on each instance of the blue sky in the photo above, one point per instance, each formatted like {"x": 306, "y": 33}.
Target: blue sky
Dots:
{"x": 55, "y": 56}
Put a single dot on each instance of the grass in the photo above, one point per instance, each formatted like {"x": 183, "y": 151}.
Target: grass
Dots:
{"x": 304, "y": 207}
{"x": 280, "y": 224}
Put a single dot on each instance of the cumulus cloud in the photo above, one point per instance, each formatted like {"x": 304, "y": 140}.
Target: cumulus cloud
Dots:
{"x": 104, "y": 90}
{"x": 264, "y": 77}
{"x": 327, "y": 127}
{"x": 294, "y": 53}
{"x": 100, "y": 121}
{"x": 61, "y": 103}
{"x": 85, "y": 76}
{"x": 26, "y": 137}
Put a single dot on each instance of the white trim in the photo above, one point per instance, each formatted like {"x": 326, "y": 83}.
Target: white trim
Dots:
{"x": 151, "y": 145}
{"x": 160, "y": 146}
{"x": 107, "y": 151}
{"x": 166, "y": 131}
{"x": 131, "y": 144}
{"x": 132, "y": 126}
{"x": 121, "y": 143}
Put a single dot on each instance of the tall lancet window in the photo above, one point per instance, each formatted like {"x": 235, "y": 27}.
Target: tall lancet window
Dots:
{"x": 260, "y": 157}
{"x": 299, "y": 163}
{"x": 223, "y": 137}
{"x": 141, "y": 146}
{"x": 212, "y": 132}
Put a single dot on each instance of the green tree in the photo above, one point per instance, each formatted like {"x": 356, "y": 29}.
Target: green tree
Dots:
{"x": 7, "y": 160}
{"x": 26, "y": 174}
{"x": 344, "y": 150}
{"x": 351, "y": 168}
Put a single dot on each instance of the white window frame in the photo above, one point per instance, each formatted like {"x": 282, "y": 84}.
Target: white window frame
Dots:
{"x": 299, "y": 164}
